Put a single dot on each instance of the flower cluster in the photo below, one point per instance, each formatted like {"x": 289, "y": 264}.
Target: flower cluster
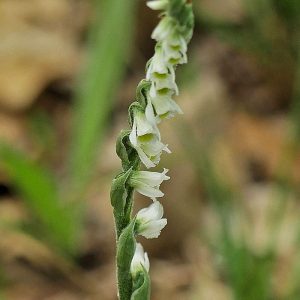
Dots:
{"x": 172, "y": 37}
{"x": 170, "y": 51}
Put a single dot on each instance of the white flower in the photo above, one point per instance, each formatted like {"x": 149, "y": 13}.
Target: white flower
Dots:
{"x": 174, "y": 49}
{"x": 145, "y": 138}
{"x": 164, "y": 29}
{"x": 148, "y": 183}
{"x": 165, "y": 107}
{"x": 150, "y": 222}
{"x": 149, "y": 149}
{"x": 173, "y": 44}
{"x": 161, "y": 73}
{"x": 139, "y": 261}
{"x": 158, "y": 66}
{"x": 164, "y": 84}
{"x": 158, "y": 4}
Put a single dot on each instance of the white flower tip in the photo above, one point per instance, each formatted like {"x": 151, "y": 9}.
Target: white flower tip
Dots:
{"x": 140, "y": 259}
{"x": 159, "y": 194}
{"x": 153, "y": 212}
{"x": 158, "y": 207}
{"x": 166, "y": 149}
{"x": 165, "y": 178}
{"x": 157, "y": 4}
{"x": 146, "y": 262}
{"x": 165, "y": 171}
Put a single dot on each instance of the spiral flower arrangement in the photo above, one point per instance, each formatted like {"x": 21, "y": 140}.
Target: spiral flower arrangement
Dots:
{"x": 142, "y": 145}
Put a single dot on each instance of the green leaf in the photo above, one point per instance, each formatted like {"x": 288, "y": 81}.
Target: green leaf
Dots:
{"x": 126, "y": 152}
{"x": 141, "y": 286}
{"x": 40, "y": 194}
{"x": 176, "y": 7}
{"x": 119, "y": 192}
{"x": 142, "y": 90}
{"x": 183, "y": 13}
{"x": 125, "y": 251}
{"x": 122, "y": 200}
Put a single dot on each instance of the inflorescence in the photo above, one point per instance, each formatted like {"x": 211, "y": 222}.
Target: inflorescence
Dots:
{"x": 142, "y": 144}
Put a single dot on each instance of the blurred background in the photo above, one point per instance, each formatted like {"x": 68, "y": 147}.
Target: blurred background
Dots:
{"x": 68, "y": 72}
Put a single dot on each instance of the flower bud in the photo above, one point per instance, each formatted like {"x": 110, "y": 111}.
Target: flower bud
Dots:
{"x": 139, "y": 261}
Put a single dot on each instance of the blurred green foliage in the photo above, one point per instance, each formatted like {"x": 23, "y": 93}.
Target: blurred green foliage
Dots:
{"x": 40, "y": 194}
{"x": 110, "y": 42}
{"x": 58, "y": 210}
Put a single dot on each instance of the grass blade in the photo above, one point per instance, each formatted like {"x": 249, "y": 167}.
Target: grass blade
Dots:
{"x": 109, "y": 45}
{"x": 39, "y": 192}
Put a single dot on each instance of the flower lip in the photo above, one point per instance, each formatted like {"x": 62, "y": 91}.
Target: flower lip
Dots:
{"x": 165, "y": 107}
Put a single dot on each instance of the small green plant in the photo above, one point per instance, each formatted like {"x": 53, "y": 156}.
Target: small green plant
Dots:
{"x": 142, "y": 145}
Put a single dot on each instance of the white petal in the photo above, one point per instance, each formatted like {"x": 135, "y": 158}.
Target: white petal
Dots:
{"x": 153, "y": 147}
{"x": 140, "y": 258}
{"x": 145, "y": 159}
{"x": 153, "y": 229}
{"x": 165, "y": 106}
{"x": 151, "y": 178}
{"x": 133, "y": 135}
{"x": 166, "y": 149}
{"x": 150, "y": 115}
{"x": 158, "y": 4}
{"x": 158, "y": 65}
{"x": 153, "y": 212}
{"x": 148, "y": 191}
{"x": 164, "y": 85}
{"x": 146, "y": 262}
{"x": 142, "y": 124}
{"x": 164, "y": 29}
{"x": 147, "y": 146}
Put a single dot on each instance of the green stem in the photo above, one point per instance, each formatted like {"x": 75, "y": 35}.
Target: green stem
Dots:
{"x": 124, "y": 284}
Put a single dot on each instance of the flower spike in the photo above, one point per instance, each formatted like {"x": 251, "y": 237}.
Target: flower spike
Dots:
{"x": 142, "y": 144}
